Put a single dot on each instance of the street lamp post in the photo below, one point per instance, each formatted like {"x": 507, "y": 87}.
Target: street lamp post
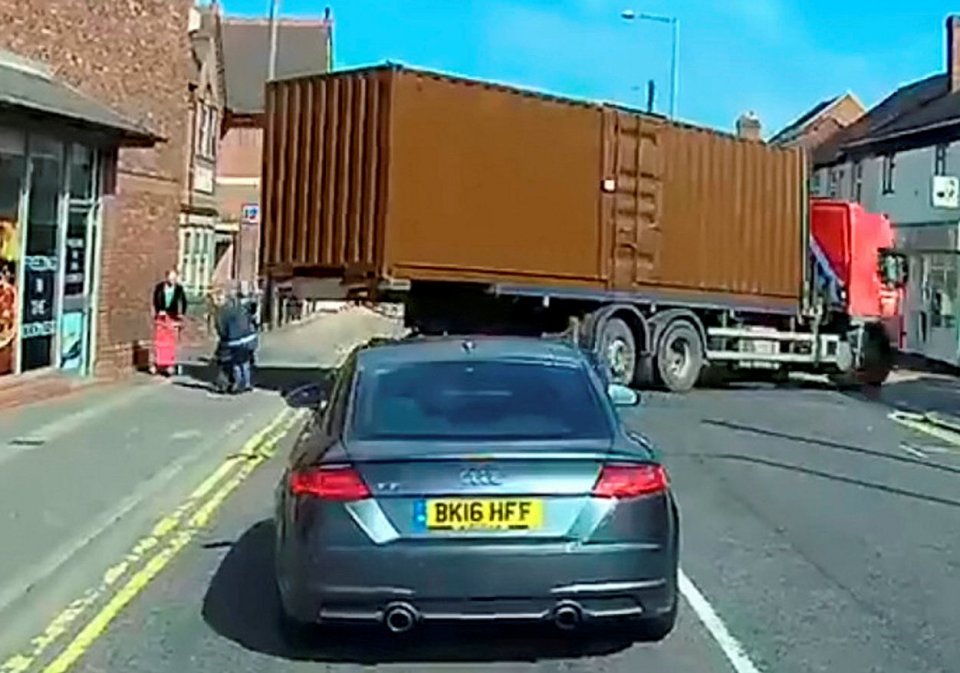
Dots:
{"x": 272, "y": 62}
{"x": 674, "y": 23}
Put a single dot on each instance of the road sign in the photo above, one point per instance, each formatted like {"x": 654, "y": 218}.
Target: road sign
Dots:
{"x": 250, "y": 213}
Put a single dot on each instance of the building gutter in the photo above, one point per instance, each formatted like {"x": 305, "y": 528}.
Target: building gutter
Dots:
{"x": 876, "y": 140}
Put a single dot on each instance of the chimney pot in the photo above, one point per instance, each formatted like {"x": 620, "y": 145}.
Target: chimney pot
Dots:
{"x": 953, "y": 52}
{"x": 748, "y": 126}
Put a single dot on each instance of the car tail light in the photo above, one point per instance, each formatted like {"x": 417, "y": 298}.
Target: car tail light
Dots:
{"x": 341, "y": 483}
{"x": 630, "y": 481}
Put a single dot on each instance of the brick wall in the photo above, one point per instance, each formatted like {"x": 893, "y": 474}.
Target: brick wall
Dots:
{"x": 847, "y": 111}
{"x": 241, "y": 152}
{"x": 817, "y": 133}
{"x": 238, "y": 172}
{"x": 133, "y": 55}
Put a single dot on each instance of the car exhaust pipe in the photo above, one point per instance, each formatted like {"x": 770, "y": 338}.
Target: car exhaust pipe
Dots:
{"x": 567, "y": 616}
{"x": 400, "y": 617}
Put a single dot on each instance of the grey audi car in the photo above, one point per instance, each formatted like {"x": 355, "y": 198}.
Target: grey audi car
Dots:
{"x": 475, "y": 479}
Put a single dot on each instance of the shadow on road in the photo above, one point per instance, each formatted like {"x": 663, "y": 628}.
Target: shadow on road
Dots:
{"x": 284, "y": 380}
{"x": 926, "y": 393}
{"x": 242, "y": 605}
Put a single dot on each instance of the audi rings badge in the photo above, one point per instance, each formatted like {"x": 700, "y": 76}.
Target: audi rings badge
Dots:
{"x": 487, "y": 475}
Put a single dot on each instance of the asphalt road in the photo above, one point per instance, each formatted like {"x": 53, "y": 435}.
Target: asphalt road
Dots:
{"x": 823, "y": 536}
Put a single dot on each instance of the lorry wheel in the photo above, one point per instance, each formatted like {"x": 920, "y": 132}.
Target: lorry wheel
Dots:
{"x": 679, "y": 357}
{"x": 878, "y": 358}
{"x": 876, "y": 363}
{"x": 618, "y": 351}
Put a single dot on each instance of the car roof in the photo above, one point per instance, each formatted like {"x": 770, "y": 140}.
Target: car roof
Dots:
{"x": 459, "y": 348}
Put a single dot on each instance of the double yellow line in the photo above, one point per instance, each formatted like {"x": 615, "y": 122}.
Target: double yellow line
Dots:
{"x": 122, "y": 582}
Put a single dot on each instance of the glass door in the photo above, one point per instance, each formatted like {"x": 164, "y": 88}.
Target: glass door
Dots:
{"x": 77, "y": 280}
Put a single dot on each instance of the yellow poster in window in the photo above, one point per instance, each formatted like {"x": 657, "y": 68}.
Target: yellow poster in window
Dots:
{"x": 9, "y": 255}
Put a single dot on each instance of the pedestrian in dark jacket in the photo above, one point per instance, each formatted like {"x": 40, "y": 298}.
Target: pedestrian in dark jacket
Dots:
{"x": 236, "y": 345}
{"x": 169, "y": 298}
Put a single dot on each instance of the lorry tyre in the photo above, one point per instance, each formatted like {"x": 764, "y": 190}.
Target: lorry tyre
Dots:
{"x": 876, "y": 362}
{"x": 878, "y": 357}
{"x": 679, "y": 357}
{"x": 618, "y": 351}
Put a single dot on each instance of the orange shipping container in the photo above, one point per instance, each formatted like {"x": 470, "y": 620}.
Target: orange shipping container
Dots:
{"x": 389, "y": 173}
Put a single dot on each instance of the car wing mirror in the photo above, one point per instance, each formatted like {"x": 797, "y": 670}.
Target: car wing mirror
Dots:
{"x": 309, "y": 396}
{"x": 622, "y": 396}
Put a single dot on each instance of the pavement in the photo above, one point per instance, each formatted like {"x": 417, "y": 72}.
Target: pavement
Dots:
{"x": 818, "y": 534}
{"x": 84, "y": 478}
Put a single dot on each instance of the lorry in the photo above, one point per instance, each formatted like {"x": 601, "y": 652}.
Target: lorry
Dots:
{"x": 674, "y": 253}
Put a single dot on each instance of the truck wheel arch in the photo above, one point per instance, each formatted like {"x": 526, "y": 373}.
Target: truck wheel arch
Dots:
{"x": 659, "y": 322}
{"x": 629, "y": 314}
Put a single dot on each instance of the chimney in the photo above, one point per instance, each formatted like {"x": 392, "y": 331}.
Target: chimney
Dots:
{"x": 953, "y": 52}
{"x": 748, "y": 126}
{"x": 194, "y": 20}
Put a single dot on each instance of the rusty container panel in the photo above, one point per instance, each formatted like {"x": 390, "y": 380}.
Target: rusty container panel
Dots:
{"x": 324, "y": 173}
{"x": 492, "y": 184}
{"x": 701, "y": 215}
{"x": 388, "y": 172}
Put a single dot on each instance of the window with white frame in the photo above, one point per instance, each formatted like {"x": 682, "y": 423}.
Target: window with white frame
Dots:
{"x": 207, "y": 122}
{"x": 940, "y": 159}
{"x": 196, "y": 265}
{"x": 214, "y": 132}
{"x": 889, "y": 166}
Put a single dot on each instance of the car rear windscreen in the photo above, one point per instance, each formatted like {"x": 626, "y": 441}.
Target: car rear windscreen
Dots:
{"x": 478, "y": 400}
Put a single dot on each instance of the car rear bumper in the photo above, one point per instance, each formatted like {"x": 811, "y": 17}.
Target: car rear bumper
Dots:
{"x": 482, "y": 582}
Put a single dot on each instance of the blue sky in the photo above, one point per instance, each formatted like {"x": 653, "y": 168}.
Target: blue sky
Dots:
{"x": 775, "y": 57}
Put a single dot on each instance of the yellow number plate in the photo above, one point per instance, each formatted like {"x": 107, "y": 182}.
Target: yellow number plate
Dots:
{"x": 484, "y": 514}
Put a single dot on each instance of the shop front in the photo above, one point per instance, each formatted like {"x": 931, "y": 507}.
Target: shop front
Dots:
{"x": 50, "y": 220}
{"x": 55, "y": 147}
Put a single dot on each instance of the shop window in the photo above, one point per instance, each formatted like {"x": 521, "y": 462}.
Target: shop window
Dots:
{"x": 13, "y": 167}
{"x": 82, "y": 173}
{"x": 40, "y": 255}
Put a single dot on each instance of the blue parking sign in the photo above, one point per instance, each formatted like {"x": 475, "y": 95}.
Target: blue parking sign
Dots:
{"x": 250, "y": 213}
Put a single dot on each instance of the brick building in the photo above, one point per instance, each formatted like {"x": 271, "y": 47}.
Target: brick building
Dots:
{"x": 206, "y": 242}
{"x": 303, "y": 46}
{"x": 92, "y": 143}
{"x": 821, "y": 122}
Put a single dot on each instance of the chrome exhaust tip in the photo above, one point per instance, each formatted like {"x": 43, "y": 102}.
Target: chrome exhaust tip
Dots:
{"x": 400, "y": 617}
{"x": 567, "y": 616}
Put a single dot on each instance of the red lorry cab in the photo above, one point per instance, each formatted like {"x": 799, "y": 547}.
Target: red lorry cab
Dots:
{"x": 852, "y": 241}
